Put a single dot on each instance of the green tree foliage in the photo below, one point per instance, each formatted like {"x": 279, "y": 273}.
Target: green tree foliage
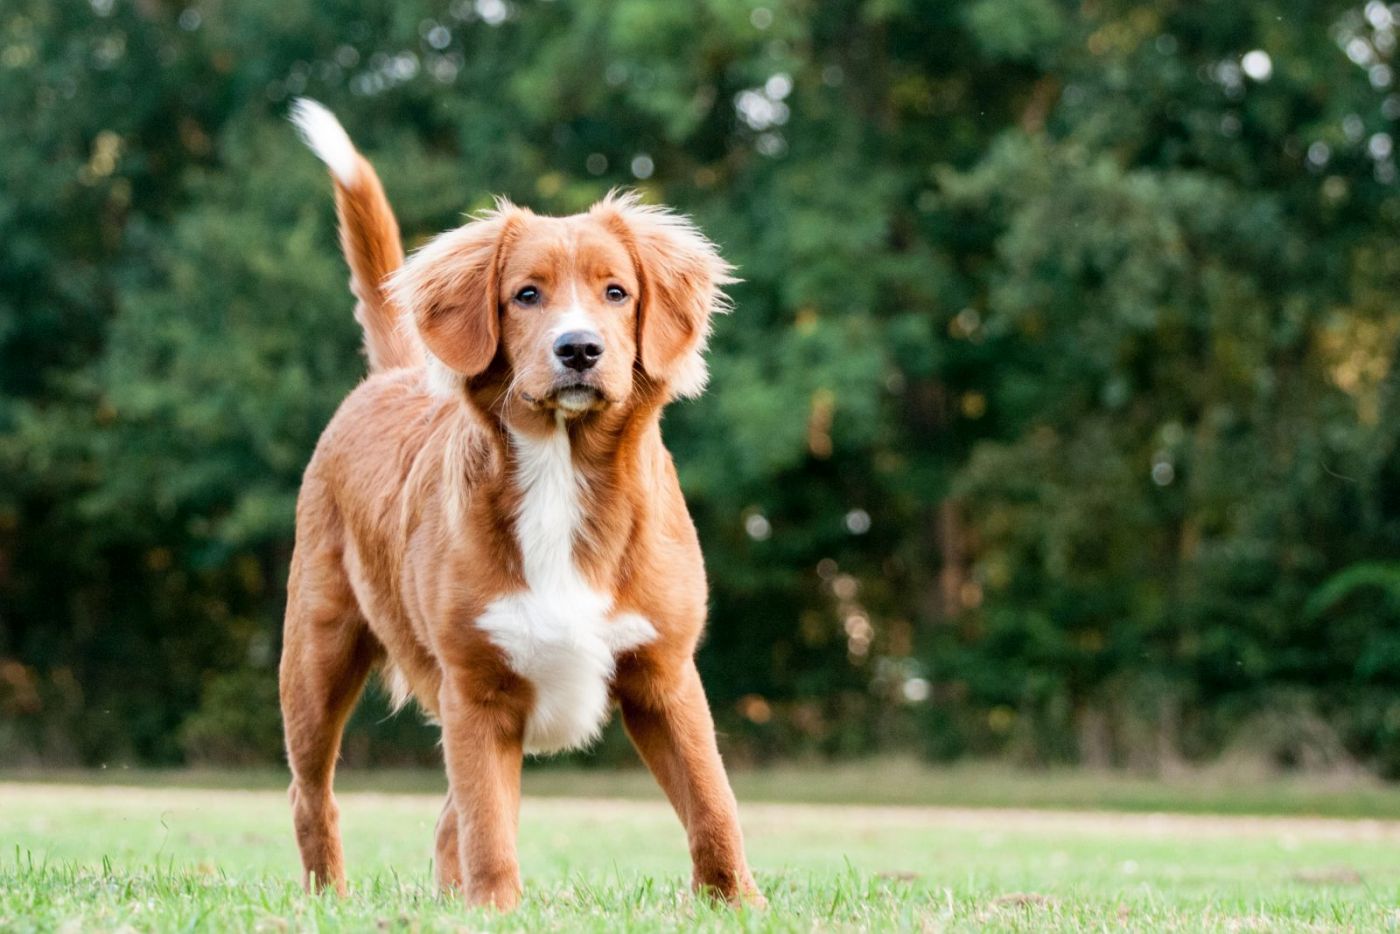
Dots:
{"x": 1057, "y": 416}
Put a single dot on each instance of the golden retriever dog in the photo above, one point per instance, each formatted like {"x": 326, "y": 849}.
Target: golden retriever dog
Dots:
{"x": 491, "y": 518}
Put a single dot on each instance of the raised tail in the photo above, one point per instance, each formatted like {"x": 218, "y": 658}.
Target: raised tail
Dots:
{"x": 369, "y": 235}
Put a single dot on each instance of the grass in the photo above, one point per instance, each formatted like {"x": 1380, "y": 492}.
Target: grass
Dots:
{"x": 107, "y": 857}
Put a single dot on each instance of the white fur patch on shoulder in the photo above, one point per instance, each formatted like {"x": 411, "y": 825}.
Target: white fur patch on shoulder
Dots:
{"x": 559, "y": 633}
{"x": 320, "y": 130}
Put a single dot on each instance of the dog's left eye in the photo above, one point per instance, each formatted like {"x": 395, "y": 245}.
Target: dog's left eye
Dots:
{"x": 615, "y": 293}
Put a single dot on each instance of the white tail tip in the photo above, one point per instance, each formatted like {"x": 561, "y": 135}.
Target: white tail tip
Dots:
{"x": 320, "y": 130}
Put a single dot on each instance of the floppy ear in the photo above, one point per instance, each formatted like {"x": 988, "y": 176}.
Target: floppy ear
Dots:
{"x": 451, "y": 288}
{"x": 681, "y": 275}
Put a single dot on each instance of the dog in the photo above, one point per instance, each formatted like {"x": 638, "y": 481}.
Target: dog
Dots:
{"x": 492, "y": 520}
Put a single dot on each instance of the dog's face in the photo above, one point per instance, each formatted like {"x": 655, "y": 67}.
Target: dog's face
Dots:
{"x": 568, "y": 315}
{"x": 568, "y": 298}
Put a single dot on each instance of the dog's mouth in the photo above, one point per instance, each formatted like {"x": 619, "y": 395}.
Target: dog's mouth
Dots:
{"x": 579, "y": 397}
{"x": 571, "y": 399}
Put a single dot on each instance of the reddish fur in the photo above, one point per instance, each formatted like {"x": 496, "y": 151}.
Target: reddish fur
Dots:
{"x": 369, "y": 236}
{"x": 453, "y": 292}
{"x": 404, "y": 523}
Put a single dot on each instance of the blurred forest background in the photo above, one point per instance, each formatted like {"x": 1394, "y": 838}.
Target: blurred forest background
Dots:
{"x": 1057, "y": 420}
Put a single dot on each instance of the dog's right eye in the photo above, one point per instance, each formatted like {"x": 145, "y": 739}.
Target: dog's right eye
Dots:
{"x": 528, "y": 295}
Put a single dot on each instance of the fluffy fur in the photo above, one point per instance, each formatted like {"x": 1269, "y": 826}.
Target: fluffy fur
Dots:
{"x": 558, "y": 633}
{"x": 502, "y": 533}
{"x": 321, "y": 131}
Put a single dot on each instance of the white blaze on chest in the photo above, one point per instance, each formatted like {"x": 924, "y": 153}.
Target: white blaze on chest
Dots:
{"x": 558, "y": 633}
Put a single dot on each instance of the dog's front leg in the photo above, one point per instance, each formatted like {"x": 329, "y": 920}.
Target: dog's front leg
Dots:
{"x": 482, "y": 737}
{"x": 668, "y": 719}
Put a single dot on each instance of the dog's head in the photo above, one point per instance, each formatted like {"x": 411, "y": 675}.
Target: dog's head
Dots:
{"x": 567, "y": 315}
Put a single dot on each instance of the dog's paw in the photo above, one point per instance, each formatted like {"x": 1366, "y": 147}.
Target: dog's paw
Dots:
{"x": 501, "y": 893}
{"x": 734, "y": 889}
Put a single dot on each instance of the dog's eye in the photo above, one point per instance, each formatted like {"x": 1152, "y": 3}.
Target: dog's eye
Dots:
{"x": 528, "y": 295}
{"x": 615, "y": 293}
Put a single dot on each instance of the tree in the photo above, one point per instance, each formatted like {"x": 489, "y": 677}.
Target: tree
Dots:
{"x": 1059, "y": 386}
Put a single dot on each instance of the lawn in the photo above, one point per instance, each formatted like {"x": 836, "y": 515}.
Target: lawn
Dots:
{"x": 104, "y": 857}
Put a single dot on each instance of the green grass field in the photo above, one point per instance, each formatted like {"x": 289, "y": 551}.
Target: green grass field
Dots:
{"x": 104, "y": 857}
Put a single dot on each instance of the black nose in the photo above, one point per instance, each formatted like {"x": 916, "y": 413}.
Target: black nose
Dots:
{"x": 578, "y": 350}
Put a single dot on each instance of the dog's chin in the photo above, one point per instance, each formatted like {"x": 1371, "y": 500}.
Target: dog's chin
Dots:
{"x": 569, "y": 400}
{"x": 575, "y": 400}
{"x": 572, "y": 401}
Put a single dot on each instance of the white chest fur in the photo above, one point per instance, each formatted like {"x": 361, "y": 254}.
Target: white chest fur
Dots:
{"x": 558, "y": 633}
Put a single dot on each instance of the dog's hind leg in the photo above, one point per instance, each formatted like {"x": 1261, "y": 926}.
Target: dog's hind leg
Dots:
{"x": 327, "y": 653}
